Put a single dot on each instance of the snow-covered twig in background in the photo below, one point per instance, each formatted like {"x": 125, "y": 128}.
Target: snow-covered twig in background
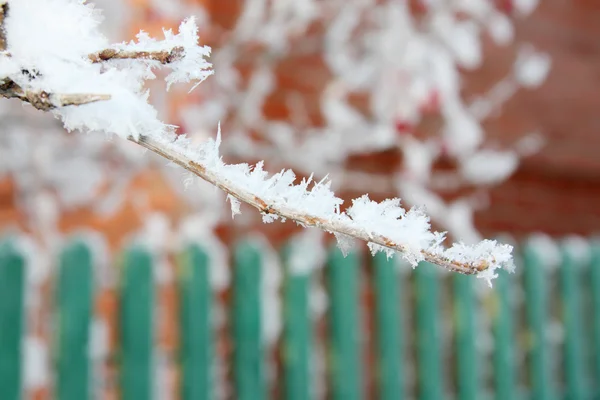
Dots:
{"x": 65, "y": 65}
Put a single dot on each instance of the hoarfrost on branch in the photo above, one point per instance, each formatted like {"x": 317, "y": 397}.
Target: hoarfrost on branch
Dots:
{"x": 54, "y": 58}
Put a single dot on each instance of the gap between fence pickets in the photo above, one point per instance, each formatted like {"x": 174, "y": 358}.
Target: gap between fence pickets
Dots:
{"x": 48, "y": 101}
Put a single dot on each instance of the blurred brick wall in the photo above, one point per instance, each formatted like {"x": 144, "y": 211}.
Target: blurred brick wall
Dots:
{"x": 556, "y": 191}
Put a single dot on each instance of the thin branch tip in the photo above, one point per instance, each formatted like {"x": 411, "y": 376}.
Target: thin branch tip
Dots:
{"x": 162, "y": 56}
{"x": 45, "y": 101}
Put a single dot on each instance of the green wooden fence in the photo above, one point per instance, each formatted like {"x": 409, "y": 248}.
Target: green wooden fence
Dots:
{"x": 428, "y": 338}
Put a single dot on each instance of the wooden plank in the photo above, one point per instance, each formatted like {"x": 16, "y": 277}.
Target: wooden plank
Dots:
{"x": 297, "y": 332}
{"x": 429, "y": 338}
{"x": 595, "y": 286}
{"x": 74, "y": 308}
{"x": 390, "y": 376}
{"x": 137, "y": 298}
{"x": 503, "y": 331}
{"x": 536, "y": 304}
{"x": 344, "y": 326}
{"x": 12, "y": 283}
{"x": 197, "y": 339}
{"x": 465, "y": 310}
{"x": 248, "y": 348}
{"x": 574, "y": 367}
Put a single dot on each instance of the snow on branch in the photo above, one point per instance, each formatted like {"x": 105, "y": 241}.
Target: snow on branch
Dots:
{"x": 46, "y": 56}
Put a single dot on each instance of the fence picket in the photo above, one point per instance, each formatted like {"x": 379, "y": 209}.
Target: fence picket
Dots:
{"x": 535, "y": 274}
{"x": 465, "y": 310}
{"x": 12, "y": 280}
{"x": 74, "y": 303}
{"x": 429, "y": 338}
{"x": 297, "y": 333}
{"x": 574, "y": 368}
{"x": 74, "y": 306}
{"x": 137, "y": 295}
{"x": 504, "y": 358}
{"x": 248, "y": 349}
{"x": 389, "y": 334}
{"x": 345, "y": 327}
{"x": 196, "y": 328}
{"x": 595, "y": 286}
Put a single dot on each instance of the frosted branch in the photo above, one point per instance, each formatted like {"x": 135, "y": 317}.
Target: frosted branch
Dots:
{"x": 459, "y": 258}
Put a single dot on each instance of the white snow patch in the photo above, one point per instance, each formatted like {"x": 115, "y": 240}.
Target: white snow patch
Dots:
{"x": 489, "y": 166}
{"x": 307, "y": 252}
{"x": 545, "y": 248}
{"x": 578, "y": 248}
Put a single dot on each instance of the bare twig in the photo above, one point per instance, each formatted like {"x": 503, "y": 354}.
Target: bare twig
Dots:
{"x": 47, "y": 101}
{"x": 334, "y": 226}
{"x": 163, "y": 56}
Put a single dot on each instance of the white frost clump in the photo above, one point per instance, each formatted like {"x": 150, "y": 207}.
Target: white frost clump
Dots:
{"x": 489, "y": 166}
{"x": 388, "y": 218}
{"x": 488, "y": 251}
{"x": 52, "y": 39}
{"x": 307, "y": 253}
{"x": 191, "y": 67}
{"x": 578, "y": 248}
{"x": 546, "y": 249}
{"x": 531, "y": 67}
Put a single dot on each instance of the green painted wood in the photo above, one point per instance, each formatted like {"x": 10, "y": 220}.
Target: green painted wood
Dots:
{"x": 536, "y": 304}
{"x": 12, "y": 281}
{"x": 344, "y": 326}
{"x": 429, "y": 338}
{"x": 296, "y": 333}
{"x": 390, "y": 377}
{"x": 574, "y": 366}
{"x": 595, "y": 287}
{"x": 74, "y": 309}
{"x": 503, "y": 331}
{"x": 465, "y": 310}
{"x": 137, "y": 298}
{"x": 248, "y": 350}
{"x": 196, "y": 328}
